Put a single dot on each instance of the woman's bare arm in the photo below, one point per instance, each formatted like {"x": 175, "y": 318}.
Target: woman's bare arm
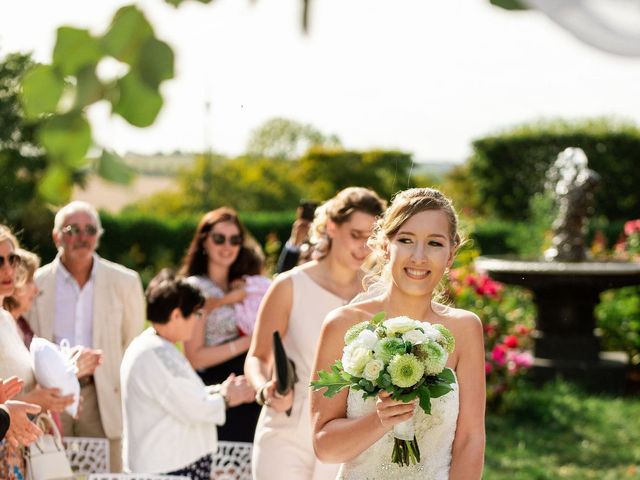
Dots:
{"x": 468, "y": 447}
{"x": 201, "y": 355}
{"x": 273, "y": 315}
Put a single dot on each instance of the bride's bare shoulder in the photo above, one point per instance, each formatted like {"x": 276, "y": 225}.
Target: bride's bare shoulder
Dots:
{"x": 464, "y": 325}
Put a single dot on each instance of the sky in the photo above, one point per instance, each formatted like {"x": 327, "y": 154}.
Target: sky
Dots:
{"x": 422, "y": 76}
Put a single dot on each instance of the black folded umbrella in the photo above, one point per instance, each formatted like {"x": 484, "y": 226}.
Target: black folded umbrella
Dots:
{"x": 285, "y": 369}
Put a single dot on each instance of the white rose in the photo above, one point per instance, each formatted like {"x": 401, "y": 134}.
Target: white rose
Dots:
{"x": 367, "y": 339}
{"x": 354, "y": 359}
{"x": 432, "y": 333}
{"x": 372, "y": 369}
{"x": 414, "y": 337}
{"x": 400, "y": 325}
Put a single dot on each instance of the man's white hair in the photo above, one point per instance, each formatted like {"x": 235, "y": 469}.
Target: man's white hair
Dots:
{"x": 76, "y": 206}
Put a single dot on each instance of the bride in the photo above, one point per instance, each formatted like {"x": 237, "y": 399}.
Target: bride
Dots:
{"x": 415, "y": 241}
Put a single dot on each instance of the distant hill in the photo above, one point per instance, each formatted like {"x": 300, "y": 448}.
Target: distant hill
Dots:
{"x": 434, "y": 168}
{"x": 160, "y": 164}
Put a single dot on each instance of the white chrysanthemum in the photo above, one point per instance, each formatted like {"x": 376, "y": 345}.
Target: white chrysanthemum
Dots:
{"x": 414, "y": 337}
{"x": 432, "y": 333}
{"x": 372, "y": 369}
{"x": 405, "y": 370}
{"x": 400, "y": 325}
{"x": 354, "y": 359}
{"x": 366, "y": 339}
{"x": 387, "y": 347}
{"x": 447, "y": 340}
{"x": 354, "y": 331}
{"x": 433, "y": 356}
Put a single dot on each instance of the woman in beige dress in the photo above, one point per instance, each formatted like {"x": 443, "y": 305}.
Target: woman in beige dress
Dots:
{"x": 296, "y": 305}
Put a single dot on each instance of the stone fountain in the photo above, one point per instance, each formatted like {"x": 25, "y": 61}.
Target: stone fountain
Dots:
{"x": 566, "y": 285}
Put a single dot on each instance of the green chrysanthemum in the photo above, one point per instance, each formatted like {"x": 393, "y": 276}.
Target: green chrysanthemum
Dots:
{"x": 432, "y": 356}
{"x": 354, "y": 331}
{"x": 388, "y": 347}
{"x": 448, "y": 341}
{"x": 405, "y": 370}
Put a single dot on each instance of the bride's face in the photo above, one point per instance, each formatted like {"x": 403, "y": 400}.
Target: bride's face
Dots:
{"x": 420, "y": 253}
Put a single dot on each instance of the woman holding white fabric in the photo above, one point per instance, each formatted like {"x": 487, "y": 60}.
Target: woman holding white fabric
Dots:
{"x": 295, "y": 305}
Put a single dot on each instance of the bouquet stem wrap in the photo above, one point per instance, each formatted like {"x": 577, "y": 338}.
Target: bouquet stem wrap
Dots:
{"x": 405, "y": 446}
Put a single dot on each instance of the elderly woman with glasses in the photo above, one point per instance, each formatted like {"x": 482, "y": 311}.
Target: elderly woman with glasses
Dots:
{"x": 217, "y": 348}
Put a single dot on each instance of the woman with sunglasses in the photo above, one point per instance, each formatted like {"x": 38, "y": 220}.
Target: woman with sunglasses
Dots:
{"x": 295, "y": 306}
{"x": 15, "y": 359}
{"x": 217, "y": 348}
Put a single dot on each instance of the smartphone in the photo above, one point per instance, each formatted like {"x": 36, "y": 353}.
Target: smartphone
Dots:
{"x": 307, "y": 209}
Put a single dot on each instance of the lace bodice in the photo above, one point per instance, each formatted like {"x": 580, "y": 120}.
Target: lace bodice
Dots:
{"x": 434, "y": 433}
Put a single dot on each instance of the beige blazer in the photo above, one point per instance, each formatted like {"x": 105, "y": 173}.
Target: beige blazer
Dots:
{"x": 118, "y": 316}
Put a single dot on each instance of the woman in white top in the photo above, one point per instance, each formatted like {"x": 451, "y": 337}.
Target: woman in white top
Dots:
{"x": 295, "y": 305}
{"x": 170, "y": 417}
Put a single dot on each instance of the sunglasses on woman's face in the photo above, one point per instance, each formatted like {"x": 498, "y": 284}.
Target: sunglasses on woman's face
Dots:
{"x": 73, "y": 230}
{"x": 219, "y": 239}
{"x": 12, "y": 259}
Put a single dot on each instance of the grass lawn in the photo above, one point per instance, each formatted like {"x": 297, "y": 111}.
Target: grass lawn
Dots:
{"x": 559, "y": 432}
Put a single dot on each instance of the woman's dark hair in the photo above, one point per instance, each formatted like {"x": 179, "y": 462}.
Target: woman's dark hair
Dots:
{"x": 249, "y": 262}
{"x": 195, "y": 261}
{"x": 167, "y": 292}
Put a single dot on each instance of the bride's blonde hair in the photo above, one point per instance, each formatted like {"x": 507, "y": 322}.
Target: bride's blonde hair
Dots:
{"x": 404, "y": 205}
{"x": 339, "y": 209}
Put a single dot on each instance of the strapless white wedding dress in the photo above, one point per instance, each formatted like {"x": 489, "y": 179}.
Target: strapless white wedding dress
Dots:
{"x": 434, "y": 433}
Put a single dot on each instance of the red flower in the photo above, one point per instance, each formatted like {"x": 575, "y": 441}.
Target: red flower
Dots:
{"x": 631, "y": 227}
{"x": 522, "y": 329}
{"x": 490, "y": 330}
{"x": 499, "y": 354}
{"x": 511, "y": 341}
{"x": 488, "y": 368}
{"x": 486, "y": 287}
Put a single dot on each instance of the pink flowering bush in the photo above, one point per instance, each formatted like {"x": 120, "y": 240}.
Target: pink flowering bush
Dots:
{"x": 629, "y": 246}
{"x": 618, "y": 313}
{"x": 508, "y": 316}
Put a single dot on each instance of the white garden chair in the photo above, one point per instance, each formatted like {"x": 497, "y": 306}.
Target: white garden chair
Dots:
{"x": 87, "y": 455}
{"x": 134, "y": 476}
{"x": 232, "y": 461}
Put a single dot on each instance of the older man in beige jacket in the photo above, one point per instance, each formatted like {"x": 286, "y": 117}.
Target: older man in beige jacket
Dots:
{"x": 98, "y": 306}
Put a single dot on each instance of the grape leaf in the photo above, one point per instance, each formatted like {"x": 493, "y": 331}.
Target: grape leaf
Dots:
{"x": 334, "y": 381}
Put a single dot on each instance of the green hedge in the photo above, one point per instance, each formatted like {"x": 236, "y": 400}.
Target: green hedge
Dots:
{"x": 509, "y": 168}
{"x": 499, "y": 237}
{"x": 147, "y": 243}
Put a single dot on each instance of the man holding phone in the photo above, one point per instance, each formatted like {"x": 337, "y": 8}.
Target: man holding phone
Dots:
{"x": 294, "y": 249}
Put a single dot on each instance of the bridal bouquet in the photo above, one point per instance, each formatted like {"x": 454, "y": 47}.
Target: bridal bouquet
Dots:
{"x": 401, "y": 356}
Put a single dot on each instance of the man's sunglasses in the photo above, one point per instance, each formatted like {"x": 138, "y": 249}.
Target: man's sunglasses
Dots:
{"x": 219, "y": 239}
{"x": 12, "y": 259}
{"x": 73, "y": 229}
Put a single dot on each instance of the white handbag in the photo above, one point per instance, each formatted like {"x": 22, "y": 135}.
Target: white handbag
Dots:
{"x": 46, "y": 458}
